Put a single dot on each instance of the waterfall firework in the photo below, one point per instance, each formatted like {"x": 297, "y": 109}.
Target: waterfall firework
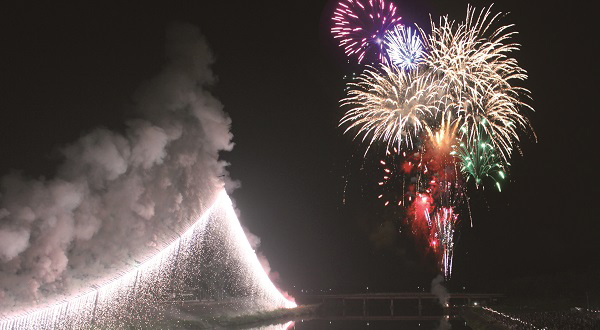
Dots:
{"x": 212, "y": 260}
{"x": 135, "y": 222}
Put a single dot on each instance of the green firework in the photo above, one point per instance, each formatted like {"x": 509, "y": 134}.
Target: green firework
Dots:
{"x": 478, "y": 158}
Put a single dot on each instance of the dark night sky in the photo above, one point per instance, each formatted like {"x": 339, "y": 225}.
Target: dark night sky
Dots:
{"x": 66, "y": 69}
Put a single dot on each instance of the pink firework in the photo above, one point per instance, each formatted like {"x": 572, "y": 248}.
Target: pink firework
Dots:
{"x": 360, "y": 26}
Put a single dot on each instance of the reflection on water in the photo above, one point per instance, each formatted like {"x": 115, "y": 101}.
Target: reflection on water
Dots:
{"x": 283, "y": 326}
{"x": 442, "y": 324}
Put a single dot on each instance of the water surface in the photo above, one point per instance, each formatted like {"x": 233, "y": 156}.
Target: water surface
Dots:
{"x": 325, "y": 324}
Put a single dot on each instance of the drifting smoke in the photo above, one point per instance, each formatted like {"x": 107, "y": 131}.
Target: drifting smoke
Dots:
{"x": 444, "y": 324}
{"x": 384, "y": 235}
{"x": 264, "y": 262}
{"x": 118, "y": 198}
{"x": 439, "y": 290}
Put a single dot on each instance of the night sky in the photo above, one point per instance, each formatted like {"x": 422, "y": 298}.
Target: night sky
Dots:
{"x": 66, "y": 69}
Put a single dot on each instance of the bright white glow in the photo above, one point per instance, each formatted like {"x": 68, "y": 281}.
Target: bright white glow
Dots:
{"x": 249, "y": 255}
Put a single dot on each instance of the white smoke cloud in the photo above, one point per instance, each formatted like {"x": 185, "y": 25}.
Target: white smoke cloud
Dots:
{"x": 254, "y": 241}
{"x": 118, "y": 196}
{"x": 438, "y": 290}
{"x": 13, "y": 242}
{"x": 444, "y": 324}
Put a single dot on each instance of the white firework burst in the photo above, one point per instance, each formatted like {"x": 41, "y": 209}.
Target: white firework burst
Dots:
{"x": 390, "y": 105}
{"x": 472, "y": 64}
{"x": 405, "y": 47}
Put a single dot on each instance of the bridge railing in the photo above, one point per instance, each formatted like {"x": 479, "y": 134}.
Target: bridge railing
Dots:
{"x": 344, "y": 300}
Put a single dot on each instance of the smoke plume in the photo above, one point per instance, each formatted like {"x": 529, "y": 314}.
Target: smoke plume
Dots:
{"x": 118, "y": 196}
{"x": 444, "y": 324}
{"x": 438, "y": 290}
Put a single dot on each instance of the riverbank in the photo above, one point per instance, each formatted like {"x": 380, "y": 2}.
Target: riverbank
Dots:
{"x": 177, "y": 320}
{"x": 270, "y": 317}
{"x": 526, "y": 317}
{"x": 478, "y": 320}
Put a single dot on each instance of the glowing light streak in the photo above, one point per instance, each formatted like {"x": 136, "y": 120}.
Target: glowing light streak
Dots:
{"x": 513, "y": 318}
{"x": 444, "y": 223}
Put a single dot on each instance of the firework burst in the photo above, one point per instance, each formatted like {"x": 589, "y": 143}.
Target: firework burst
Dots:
{"x": 361, "y": 25}
{"x": 442, "y": 139}
{"x": 449, "y": 103}
{"x": 392, "y": 179}
{"x": 472, "y": 63}
{"x": 404, "y": 47}
{"x": 401, "y": 180}
{"x": 390, "y": 105}
{"x": 478, "y": 157}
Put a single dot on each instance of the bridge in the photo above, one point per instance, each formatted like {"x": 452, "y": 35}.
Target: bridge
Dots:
{"x": 417, "y": 297}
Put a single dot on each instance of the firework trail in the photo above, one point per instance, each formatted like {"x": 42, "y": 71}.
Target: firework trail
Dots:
{"x": 426, "y": 188}
{"x": 361, "y": 25}
{"x": 446, "y": 182}
{"x": 444, "y": 224}
{"x": 404, "y": 47}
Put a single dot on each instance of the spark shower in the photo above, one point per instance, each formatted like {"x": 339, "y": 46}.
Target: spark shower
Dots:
{"x": 129, "y": 225}
{"x": 213, "y": 258}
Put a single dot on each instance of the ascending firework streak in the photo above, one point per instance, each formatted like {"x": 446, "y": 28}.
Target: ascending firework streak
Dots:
{"x": 443, "y": 224}
{"x": 361, "y": 25}
{"x": 448, "y": 97}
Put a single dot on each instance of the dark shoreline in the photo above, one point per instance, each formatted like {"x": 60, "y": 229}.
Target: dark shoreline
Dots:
{"x": 272, "y": 317}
